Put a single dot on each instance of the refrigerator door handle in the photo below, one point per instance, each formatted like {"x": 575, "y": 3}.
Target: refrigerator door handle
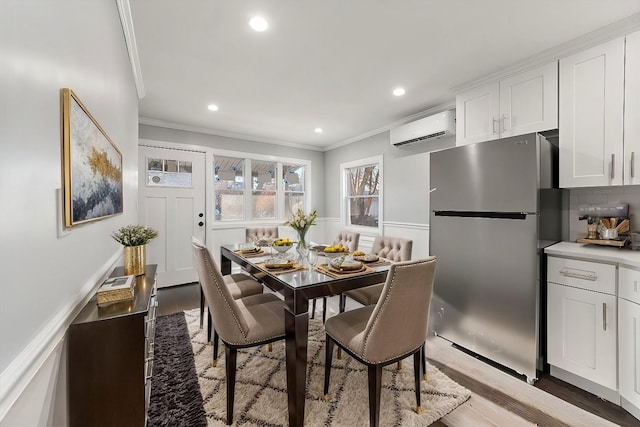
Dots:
{"x": 482, "y": 214}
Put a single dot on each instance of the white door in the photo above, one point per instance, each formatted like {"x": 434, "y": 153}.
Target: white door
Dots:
{"x": 171, "y": 199}
{"x": 591, "y": 116}
{"x": 581, "y": 333}
{"x": 477, "y": 115}
{"x": 632, "y": 110}
{"x": 529, "y": 101}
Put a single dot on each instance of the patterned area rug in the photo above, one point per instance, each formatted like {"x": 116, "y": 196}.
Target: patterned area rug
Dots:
{"x": 261, "y": 394}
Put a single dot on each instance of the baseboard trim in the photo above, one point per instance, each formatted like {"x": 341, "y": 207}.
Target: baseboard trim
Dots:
{"x": 26, "y": 365}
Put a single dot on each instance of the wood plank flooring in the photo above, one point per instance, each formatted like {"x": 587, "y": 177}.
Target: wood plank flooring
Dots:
{"x": 498, "y": 398}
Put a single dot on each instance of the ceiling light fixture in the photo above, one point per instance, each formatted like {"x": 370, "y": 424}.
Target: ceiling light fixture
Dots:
{"x": 398, "y": 91}
{"x": 318, "y": 130}
{"x": 212, "y": 107}
{"x": 258, "y": 23}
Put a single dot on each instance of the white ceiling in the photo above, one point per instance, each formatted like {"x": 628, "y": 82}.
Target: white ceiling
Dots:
{"x": 334, "y": 63}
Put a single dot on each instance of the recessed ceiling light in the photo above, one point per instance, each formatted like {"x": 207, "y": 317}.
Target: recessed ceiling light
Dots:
{"x": 212, "y": 107}
{"x": 398, "y": 91}
{"x": 258, "y": 23}
{"x": 318, "y": 130}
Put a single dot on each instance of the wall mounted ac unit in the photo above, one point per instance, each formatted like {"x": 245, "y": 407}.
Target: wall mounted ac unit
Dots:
{"x": 439, "y": 125}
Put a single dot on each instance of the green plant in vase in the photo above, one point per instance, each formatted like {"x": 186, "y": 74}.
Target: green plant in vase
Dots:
{"x": 134, "y": 238}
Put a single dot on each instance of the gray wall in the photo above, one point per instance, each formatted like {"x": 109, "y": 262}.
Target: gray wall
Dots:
{"x": 225, "y": 143}
{"x": 46, "y": 46}
{"x": 405, "y": 173}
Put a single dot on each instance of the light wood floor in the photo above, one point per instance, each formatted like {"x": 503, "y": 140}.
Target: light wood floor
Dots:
{"x": 498, "y": 398}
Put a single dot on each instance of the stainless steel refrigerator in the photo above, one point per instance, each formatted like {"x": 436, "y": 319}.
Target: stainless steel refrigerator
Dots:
{"x": 494, "y": 207}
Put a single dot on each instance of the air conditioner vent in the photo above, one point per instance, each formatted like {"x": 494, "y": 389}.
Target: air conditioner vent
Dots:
{"x": 433, "y": 127}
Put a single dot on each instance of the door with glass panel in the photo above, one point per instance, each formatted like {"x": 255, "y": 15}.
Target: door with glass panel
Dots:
{"x": 171, "y": 199}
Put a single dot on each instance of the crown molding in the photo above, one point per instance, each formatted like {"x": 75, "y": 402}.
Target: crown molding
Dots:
{"x": 124, "y": 11}
{"x": 601, "y": 35}
{"x": 208, "y": 131}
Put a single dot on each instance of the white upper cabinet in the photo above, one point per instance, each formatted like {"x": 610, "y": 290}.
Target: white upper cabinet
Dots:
{"x": 591, "y": 116}
{"x": 524, "y": 103}
{"x": 632, "y": 110}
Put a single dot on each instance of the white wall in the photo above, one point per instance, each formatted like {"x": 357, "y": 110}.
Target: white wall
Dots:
{"x": 46, "y": 46}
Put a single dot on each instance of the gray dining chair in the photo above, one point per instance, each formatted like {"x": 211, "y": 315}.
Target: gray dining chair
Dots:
{"x": 240, "y": 286}
{"x": 254, "y": 233}
{"x": 241, "y": 323}
{"x": 349, "y": 240}
{"x": 387, "y": 332}
{"x": 394, "y": 249}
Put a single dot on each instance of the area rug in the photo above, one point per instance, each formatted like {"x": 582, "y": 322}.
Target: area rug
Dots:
{"x": 261, "y": 394}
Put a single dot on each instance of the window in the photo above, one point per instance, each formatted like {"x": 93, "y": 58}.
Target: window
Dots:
{"x": 168, "y": 173}
{"x": 229, "y": 188}
{"x": 362, "y": 181}
{"x": 270, "y": 190}
{"x": 263, "y": 183}
{"x": 293, "y": 182}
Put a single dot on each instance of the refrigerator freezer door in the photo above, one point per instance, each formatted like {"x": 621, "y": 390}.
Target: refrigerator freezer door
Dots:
{"x": 489, "y": 176}
{"x": 486, "y": 295}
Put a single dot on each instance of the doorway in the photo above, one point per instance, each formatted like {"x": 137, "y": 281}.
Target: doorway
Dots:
{"x": 171, "y": 199}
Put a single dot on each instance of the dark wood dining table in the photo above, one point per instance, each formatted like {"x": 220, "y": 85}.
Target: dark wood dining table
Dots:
{"x": 297, "y": 287}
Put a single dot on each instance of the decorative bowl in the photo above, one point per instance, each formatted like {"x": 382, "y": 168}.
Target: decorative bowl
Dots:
{"x": 282, "y": 248}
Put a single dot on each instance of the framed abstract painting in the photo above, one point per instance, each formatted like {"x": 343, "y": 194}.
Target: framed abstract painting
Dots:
{"x": 92, "y": 166}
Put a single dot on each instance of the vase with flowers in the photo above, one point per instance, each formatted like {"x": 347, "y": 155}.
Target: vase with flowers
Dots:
{"x": 301, "y": 223}
{"x": 134, "y": 239}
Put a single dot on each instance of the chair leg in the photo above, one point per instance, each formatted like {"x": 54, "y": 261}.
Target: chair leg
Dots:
{"x": 230, "y": 361}
{"x": 417, "y": 367}
{"x": 375, "y": 384}
{"x": 343, "y": 302}
{"x": 313, "y": 309}
{"x": 399, "y": 365}
{"x": 424, "y": 361}
{"x": 216, "y": 342}
{"x": 324, "y": 309}
{"x": 328, "y": 358}
{"x": 209, "y": 325}
{"x": 270, "y": 347}
{"x": 339, "y": 353}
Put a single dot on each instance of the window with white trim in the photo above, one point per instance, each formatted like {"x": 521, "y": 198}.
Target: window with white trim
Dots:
{"x": 362, "y": 193}
{"x": 258, "y": 189}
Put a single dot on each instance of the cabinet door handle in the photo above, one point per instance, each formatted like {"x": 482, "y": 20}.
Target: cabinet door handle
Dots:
{"x": 589, "y": 275}
{"x": 504, "y": 122}
{"x": 633, "y": 164}
{"x": 613, "y": 166}
{"x": 493, "y": 127}
{"x": 604, "y": 316}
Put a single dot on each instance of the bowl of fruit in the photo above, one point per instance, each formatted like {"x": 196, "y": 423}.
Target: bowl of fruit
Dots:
{"x": 282, "y": 245}
{"x": 334, "y": 251}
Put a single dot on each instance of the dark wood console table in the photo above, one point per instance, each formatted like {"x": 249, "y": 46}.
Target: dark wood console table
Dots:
{"x": 110, "y": 358}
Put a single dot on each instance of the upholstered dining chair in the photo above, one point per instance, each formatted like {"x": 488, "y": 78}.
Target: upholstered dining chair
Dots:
{"x": 387, "y": 332}
{"x": 240, "y": 286}
{"x": 394, "y": 249}
{"x": 349, "y": 240}
{"x": 261, "y": 233}
{"x": 246, "y": 322}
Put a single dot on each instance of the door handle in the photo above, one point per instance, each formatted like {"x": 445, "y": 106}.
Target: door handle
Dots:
{"x": 504, "y": 122}
{"x": 493, "y": 127}
{"x": 633, "y": 164}
{"x": 604, "y": 316}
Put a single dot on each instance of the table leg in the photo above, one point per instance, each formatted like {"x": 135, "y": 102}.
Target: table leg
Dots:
{"x": 297, "y": 331}
{"x": 201, "y": 306}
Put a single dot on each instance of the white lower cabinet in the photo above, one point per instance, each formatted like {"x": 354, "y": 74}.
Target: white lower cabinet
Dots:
{"x": 582, "y": 324}
{"x": 629, "y": 338}
{"x": 582, "y": 333}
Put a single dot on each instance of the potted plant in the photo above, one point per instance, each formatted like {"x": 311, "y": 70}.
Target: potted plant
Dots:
{"x": 134, "y": 239}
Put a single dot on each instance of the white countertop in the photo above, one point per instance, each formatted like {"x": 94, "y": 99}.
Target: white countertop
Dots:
{"x": 595, "y": 253}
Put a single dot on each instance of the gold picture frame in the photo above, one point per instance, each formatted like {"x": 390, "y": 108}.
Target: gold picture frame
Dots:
{"x": 92, "y": 166}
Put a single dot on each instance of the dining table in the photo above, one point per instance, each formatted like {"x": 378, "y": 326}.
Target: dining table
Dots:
{"x": 297, "y": 287}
